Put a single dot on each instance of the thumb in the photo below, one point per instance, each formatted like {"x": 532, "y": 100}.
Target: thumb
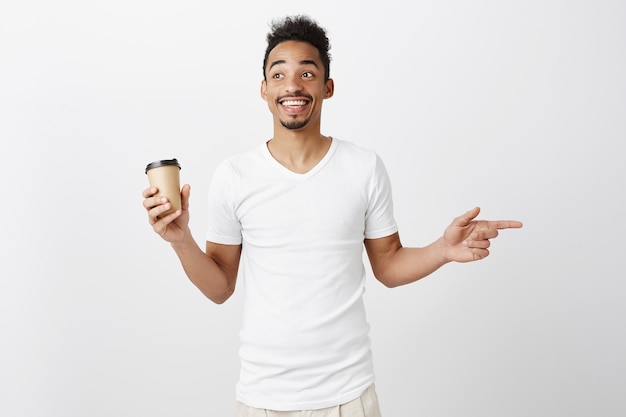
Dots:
{"x": 465, "y": 219}
{"x": 185, "y": 193}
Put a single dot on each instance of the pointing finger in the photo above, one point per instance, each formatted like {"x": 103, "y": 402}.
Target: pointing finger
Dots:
{"x": 506, "y": 224}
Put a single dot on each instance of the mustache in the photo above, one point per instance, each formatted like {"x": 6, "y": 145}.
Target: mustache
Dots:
{"x": 286, "y": 96}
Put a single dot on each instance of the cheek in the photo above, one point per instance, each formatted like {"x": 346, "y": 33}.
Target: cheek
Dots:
{"x": 272, "y": 106}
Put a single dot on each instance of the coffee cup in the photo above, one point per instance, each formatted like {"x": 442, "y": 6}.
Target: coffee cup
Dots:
{"x": 165, "y": 176}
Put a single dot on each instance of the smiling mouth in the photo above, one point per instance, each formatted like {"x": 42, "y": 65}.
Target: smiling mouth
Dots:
{"x": 294, "y": 103}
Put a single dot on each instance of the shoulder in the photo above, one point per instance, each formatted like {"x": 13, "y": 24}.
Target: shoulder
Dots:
{"x": 239, "y": 164}
{"x": 353, "y": 153}
{"x": 353, "y": 148}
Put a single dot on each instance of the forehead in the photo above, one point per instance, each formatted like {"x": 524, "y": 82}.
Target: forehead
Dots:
{"x": 294, "y": 51}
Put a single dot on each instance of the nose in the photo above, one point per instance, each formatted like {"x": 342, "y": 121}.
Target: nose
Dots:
{"x": 293, "y": 83}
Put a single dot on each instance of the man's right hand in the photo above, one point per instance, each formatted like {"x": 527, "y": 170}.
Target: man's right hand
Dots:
{"x": 174, "y": 227}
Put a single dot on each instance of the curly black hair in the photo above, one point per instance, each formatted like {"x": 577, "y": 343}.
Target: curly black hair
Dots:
{"x": 299, "y": 28}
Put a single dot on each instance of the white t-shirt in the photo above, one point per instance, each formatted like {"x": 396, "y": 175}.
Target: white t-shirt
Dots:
{"x": 304, "y": 340}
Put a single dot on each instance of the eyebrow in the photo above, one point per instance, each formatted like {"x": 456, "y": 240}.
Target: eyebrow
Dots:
{"x": 303, "y": 62}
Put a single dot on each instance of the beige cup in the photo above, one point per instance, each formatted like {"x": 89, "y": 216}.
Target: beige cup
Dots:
{"x": 165, "y": 175}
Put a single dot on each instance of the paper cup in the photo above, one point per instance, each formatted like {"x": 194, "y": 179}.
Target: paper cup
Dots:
{"x": 165, "y": 176}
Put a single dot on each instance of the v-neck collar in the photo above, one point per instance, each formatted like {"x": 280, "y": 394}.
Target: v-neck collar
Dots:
{"x": 316, "y": 168}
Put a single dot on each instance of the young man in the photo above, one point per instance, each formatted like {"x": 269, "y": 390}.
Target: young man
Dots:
{"x": 295, "y": 213}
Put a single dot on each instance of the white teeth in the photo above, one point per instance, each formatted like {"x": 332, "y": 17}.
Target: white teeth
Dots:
{"x": 293, "y": 103}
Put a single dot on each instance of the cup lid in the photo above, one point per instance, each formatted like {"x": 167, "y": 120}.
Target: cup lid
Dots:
{"x": 162, "y": 163}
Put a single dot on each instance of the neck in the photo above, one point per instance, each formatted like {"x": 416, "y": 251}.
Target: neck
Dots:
{"x": 298, "y": 152}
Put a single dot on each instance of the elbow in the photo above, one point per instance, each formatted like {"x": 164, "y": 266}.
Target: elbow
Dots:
{"x": 220, "y": 300}
{"x": 386, "y": 279}
{"x": 221, "y": 297}
{"x": 389, "y": 283}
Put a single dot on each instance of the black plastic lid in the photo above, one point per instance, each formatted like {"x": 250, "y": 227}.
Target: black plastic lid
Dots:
{"x": 162, "y": 163}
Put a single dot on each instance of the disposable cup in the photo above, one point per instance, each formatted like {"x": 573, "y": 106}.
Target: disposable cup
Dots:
{"x": 165, "y": 176}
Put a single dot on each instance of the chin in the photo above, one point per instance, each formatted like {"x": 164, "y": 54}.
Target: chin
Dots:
{"x": 295, "y": 125}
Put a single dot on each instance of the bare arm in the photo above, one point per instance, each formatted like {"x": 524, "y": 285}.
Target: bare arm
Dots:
{"x": 395, "y": 265}
{"x": 214, "y": 272}
{"x": 464, "y": 240}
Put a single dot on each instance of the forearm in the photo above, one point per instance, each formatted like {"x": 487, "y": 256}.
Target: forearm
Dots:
{"x": 215, "y": 281}
{"x": 407, "y": 265}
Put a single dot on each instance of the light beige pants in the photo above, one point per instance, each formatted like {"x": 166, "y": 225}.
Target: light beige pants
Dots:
{"x": 364, "y": 406}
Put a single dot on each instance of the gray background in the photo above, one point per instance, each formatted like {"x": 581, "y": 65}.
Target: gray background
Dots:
{"x": 516, "y": 106}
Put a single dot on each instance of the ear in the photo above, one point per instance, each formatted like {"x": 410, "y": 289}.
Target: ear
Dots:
{"x": 264, "y": 90}
{"x": 330, "y": 88}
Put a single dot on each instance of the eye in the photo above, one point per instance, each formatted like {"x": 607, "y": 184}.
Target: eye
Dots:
{"x": 277, "y": 76}
{"x": 307, "y": 74}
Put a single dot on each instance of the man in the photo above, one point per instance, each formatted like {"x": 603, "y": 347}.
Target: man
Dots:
{"x": 296, "y": 213}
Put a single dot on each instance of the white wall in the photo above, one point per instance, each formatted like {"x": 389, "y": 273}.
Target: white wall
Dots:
{"x": 516, "y": 106}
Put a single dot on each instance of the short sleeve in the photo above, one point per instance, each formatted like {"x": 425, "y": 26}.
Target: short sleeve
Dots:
{"x": 379, "y": 217}
{"x": 223, "y": 227}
